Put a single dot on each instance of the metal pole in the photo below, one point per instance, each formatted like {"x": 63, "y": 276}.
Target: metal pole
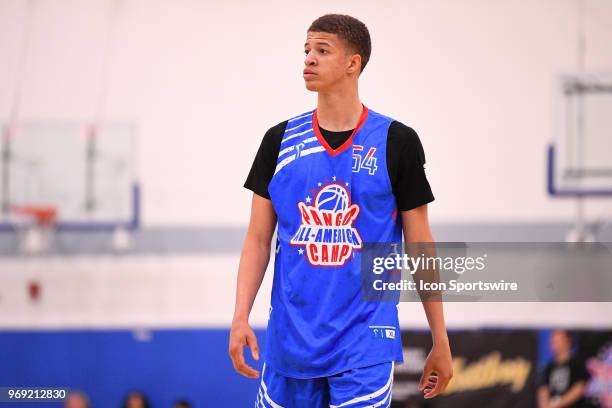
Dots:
{"x": 9, "y": 132}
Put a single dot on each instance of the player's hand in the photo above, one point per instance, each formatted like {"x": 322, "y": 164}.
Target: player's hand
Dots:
{"x": 242, "y": 335}
{"x": 438, "y": 370}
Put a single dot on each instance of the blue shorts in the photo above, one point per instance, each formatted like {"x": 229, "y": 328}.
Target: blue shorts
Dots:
{"x": 356, "y": 388}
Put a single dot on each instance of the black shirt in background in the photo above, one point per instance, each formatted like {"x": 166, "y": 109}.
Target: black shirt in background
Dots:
{"x": 405, "y": 163}
{"x": 560, "y": 377}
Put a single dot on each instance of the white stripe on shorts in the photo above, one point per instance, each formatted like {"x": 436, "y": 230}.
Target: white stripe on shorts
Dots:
{"x": 265, "y": 390}
{"x": 385, "y": 389}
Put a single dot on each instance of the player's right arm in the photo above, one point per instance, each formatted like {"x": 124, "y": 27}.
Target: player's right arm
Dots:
{"x": 253, "y": 263}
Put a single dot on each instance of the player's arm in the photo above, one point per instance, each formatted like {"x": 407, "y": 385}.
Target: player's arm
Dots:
{"x": 253, "y": 263}
{"x": 572, "y": 395}
{"x": 543, "y": 396}
{"x": 416, "y": 228}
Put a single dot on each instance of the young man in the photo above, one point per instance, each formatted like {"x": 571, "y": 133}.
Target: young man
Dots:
{"x": 564, "y": 379}
{"x": 332, "y": 178}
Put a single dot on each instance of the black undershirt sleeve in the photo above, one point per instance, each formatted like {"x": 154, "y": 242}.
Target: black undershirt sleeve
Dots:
{"x": 264, "y": 163}
{"x": 405, "y": 163}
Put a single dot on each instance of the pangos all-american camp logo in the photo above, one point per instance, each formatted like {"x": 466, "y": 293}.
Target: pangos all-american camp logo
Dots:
{"x": 327, "y": 233}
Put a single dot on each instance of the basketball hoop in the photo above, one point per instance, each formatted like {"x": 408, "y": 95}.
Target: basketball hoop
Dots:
{"x": 34, "y": 226}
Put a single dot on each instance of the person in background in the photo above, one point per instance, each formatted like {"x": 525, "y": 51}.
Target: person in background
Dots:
{"x": 77, "y": 399}
{"x": 136, "y": 399}
{"x": 182, "y": 404}
{"x": 564, "y": 377}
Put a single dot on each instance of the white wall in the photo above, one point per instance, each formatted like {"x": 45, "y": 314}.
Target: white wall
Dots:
{"x": 205, "y": 79}
{"x": 199, "y": 291}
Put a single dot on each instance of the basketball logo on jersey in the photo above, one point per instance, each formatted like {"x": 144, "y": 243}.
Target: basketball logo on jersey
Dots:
{"x": 327, "y": 230}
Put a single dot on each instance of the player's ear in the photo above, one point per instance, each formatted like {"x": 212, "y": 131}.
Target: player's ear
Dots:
{"x": 354, "y": 64}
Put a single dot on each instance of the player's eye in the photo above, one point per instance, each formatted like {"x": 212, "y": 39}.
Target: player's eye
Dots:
{"x": 323, "y": 51}
{"x": 306, "y": 52}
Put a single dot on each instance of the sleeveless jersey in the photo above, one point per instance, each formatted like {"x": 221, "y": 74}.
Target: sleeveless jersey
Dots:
{"x": 328, "y": 203}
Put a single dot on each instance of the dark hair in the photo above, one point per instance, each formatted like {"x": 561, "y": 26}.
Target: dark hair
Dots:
{"x": 348, "y": 28}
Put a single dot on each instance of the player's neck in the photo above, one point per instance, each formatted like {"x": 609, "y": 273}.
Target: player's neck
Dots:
{"x": 339, "y": 110}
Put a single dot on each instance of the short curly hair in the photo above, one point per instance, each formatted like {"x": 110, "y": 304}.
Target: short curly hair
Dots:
{"x": 348, "y": 28}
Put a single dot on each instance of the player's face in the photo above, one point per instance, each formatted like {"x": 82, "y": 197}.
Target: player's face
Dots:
{"x": 559, "y": 342}
{"x": 328, "y": 61}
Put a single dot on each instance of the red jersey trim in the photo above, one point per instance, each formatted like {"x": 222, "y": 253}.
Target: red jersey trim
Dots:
{"x": 349, "y": 141}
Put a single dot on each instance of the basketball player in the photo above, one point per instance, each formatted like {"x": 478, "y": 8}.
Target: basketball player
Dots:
{"x": 332, "y": 178}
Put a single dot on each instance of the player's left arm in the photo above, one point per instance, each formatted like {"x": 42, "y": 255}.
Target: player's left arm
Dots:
{"x": 438, "y": 368}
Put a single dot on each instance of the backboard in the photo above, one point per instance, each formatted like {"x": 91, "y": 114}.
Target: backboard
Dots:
{"x": 87, "y": 173}
{"x": 580, "y": 160}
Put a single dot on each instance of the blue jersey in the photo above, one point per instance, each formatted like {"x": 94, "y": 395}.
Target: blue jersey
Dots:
{"x": 328, "y": 203}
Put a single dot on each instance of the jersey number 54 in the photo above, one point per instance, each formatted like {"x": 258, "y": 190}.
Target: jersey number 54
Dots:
{"x": 367, "y": 162}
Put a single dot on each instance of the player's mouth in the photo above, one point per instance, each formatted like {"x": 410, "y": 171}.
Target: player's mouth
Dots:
{"x": 308, "y": 74}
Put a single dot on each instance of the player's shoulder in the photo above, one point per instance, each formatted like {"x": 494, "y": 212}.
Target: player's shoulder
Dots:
{"x": 403, "y": 135}
{"x": 398, "y": 131}
{"x": 278, "y": 130}
{"x": 271, "y": 141}
{"x": 275, "y": 134}
{"x": 301, "y": 117}
{"x": 377, "y": 115}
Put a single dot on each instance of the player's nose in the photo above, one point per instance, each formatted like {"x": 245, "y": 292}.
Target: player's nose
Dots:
{"x": 310, "y": 59}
